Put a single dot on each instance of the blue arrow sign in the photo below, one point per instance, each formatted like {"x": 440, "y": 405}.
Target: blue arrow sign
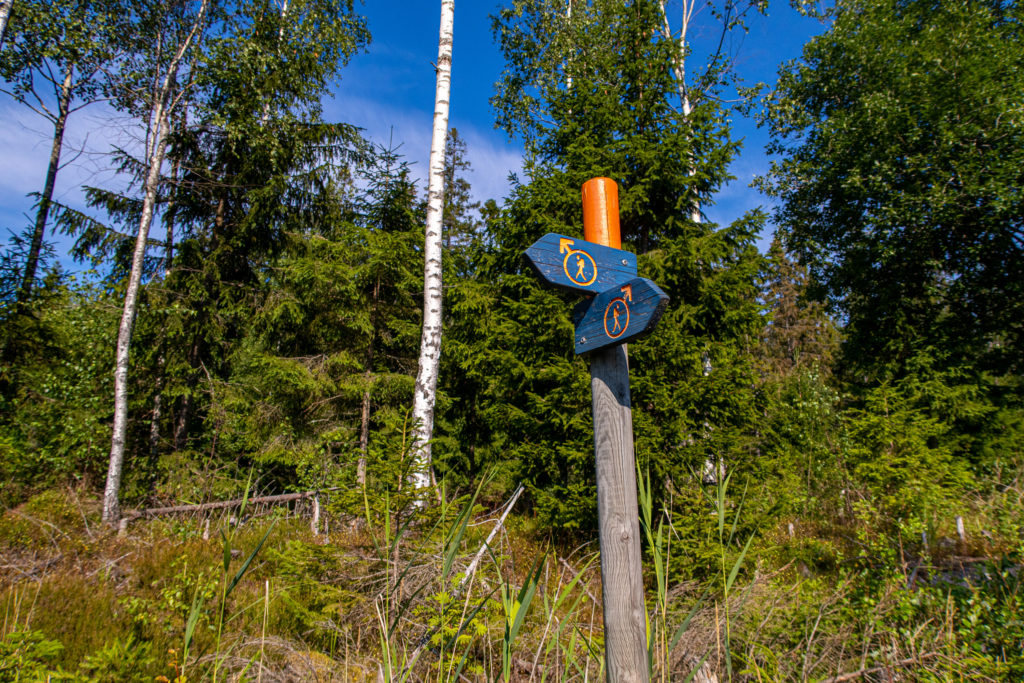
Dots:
{"x": 572, "y": 263}
{"x": 620, "y": 314}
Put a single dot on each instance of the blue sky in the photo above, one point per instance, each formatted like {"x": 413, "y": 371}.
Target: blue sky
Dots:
{"x": 389, "y": 92}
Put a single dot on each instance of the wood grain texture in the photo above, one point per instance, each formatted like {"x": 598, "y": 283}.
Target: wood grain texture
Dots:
{"x": 618, "y": 518}
{"x": 619, "y": 315}
{"x": 602, "y": 267}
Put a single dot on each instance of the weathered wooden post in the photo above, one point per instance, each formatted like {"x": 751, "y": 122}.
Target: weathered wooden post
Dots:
{"x": 618, "y": 517}
{"x": 623, "y": 307}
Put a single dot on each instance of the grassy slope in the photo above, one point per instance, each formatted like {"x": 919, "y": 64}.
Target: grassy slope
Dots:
{"x": 829, "y": 599}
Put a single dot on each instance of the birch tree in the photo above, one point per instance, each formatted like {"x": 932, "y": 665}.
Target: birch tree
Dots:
{"x": 718, "y": 61}
{"x": 430, "y": 342}
{"x": 54, "y": 65}
{"x": 5, "y": 13}
{"x": 168, "y": 90}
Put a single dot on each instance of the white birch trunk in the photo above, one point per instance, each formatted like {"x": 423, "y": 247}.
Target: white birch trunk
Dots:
{"x": 160, "y": 118}
{"x": 280, "y": 38}
{"x": 430, "y": 342}
{"x": 568, "y": 20}
{"x": 679, "y": 69}
{"x": 5, "y": 13}
{"x": 111, "y": 504}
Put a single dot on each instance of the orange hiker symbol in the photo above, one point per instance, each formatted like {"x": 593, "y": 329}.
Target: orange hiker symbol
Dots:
{"x": 616, "y": 317}
{"x": 579, "y": 266}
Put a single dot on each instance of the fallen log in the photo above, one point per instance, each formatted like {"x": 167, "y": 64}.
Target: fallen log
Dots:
{"x": 132, "y": 515}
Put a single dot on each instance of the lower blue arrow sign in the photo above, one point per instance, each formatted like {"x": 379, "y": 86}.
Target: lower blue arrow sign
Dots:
{"x": 619, "y": 314}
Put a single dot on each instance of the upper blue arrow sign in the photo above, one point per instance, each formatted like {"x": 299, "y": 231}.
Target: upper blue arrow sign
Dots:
{"x": 572, "y": 263}
{"x": 620, "y": 314}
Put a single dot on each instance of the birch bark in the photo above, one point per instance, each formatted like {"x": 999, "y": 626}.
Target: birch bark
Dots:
{"x": 5, "y": 14}
{"x": 163, "y": 105}
{"x": 679, "y": 69}
{"x": 59, "y": 124}
{"x": 731, "y": 15}
{"x": 280, "y": 37}
{"x": 430, "y": 341}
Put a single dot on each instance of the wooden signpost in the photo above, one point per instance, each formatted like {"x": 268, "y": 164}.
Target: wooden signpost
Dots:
{"x": 623, "y": 307}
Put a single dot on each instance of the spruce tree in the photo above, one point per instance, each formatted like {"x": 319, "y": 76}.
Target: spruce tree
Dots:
{"x": 323, "y": 372}
{"x": 257, "y": 162}
{"x": 608, "y": 107}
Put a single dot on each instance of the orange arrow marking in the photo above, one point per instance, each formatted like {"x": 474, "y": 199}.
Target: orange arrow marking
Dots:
{"x": 627, "y": 292}
{"x": 565, "y": 245}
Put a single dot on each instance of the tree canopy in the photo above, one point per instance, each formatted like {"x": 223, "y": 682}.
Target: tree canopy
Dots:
{"x": 902, "y": 146}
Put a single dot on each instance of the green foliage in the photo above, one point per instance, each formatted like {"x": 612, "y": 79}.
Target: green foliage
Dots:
{"x": 800, "y": 335}
{"x": 311, "y": 601}
{"x": 46, "y": 40}
{"x": 516, "y": 606}
{"x": 899, "y": 455}
{"x": 255, "y": 174}
{"x": 168, "y": 609}
{"x": 54, "y": 380}
{"x": 321, "y": 374}
{"x": 990, "y": 630}
{"x": 606, "y": 107}
{"x": 121, "y": 660}
{"x": 899, "y": 177}
{"x": 278, "y": 332}
{"x": 26, "y": 656}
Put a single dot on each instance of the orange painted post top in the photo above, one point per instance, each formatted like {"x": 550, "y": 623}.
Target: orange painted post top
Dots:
{"x": 601, "y": 212}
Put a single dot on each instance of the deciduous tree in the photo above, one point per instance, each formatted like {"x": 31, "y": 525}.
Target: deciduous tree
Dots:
{"x": 54, "y": 63}
{"x": 173, "y": 52}
{"x": 425, "y": 396}
{"x": 901, "y": 145}
{"x": 901, "y": 142}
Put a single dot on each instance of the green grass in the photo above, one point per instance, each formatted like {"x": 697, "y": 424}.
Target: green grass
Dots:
{"x": 266, "y": 599}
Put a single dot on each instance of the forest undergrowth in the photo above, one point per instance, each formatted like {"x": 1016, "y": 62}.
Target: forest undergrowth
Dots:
{"x": 404, "y": 593}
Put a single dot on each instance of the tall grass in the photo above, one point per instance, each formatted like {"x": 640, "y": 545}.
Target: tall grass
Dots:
{"x": 659, "y": 532}
{"x": 524, "y": 613}
{"x": 228, "y": 583}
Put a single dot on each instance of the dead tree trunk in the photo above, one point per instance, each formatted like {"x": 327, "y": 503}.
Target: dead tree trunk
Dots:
{"x": 364, "y": 418}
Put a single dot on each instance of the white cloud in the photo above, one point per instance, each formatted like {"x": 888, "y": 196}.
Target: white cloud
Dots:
{"x": 492, "y": 160}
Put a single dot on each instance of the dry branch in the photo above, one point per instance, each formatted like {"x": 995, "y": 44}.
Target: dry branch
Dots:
{"x": 861, "y": 673}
